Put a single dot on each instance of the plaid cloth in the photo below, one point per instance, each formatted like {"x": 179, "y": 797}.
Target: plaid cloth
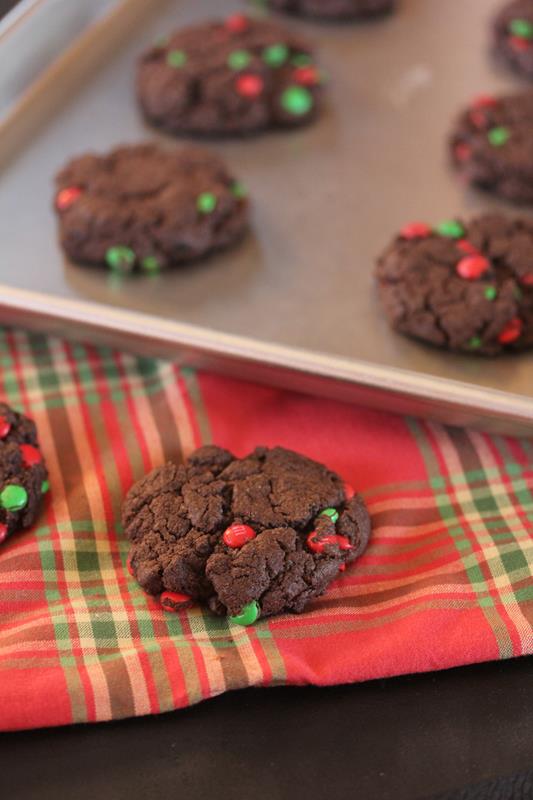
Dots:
{"x": 446, "y": 580}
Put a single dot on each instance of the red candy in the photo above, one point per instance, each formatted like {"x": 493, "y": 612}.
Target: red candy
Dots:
{"x": 349, "y": 491}
{"x": 478, "y": 118}
{"x": 237, "y": 535}
{"x": 511, "y": 332}
{"x": 463, "y": 151}
{"x": 342, "y": 567}
{"x": 3, "y": 532}
{"x": 485, "y": 101}
{"x": 527, "y": 279}
{"x": 5, "y": 427}
{"x": 129, "y": 566}
{"x": 237, "y": 23}
{"x": 306, "y": 76}
{"x": 466, "y": 247}
{"x": 66, "y": 197}
{"x": 519, "y": 43}
{"x": 472, "y": 267}
{"x": 174, "y": 601}
{"x": 250, "y": 86}
{"x": 318, "y": 545}
{"x": 415, "y": 230}
{"x": 30, "y": 455}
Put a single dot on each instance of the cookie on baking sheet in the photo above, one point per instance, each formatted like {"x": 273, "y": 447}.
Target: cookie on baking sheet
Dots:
{"x": 462, "y": 286}
{"x": 232, "y": 77}
{"x": 145, "y": 208}
{"x": 513, "y": 36}
{"x": 334, "y": 9}
{"x": 250, "y": 537}
{"x": 492, "y": 145}
{"x": 23, "y": 474}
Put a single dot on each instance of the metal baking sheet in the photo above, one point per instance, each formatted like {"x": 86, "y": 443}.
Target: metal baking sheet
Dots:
{"x": 295, "y": 305}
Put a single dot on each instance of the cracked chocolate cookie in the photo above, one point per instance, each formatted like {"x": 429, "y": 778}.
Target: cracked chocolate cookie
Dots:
{"x": 334, "y": 9}
{"x": 23, "y": 474}
{"x": 234, "y": 77}
{"x": 145, "y": 208}
{"x": 250, "y": 537}
{"x": 513, "y": 36}
{"x": 492, "y": 145}
{"x": 464, "y": 286}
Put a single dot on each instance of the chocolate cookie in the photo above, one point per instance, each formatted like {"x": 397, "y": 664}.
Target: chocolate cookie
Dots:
{"x": 492, "y": 145}
{"x": 235, "y": 77}
{"x": 463, "y": 286}
{"x": 249, "y": 537}
{"x": 334, "y": 9}
{"x": 513, "y": 36}
{"x": 148, "y": 208}
{"x": 23, "y": 474}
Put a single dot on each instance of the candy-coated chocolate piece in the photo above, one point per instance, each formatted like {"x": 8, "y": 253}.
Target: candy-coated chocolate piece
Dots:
{"x": 522, "y": 28}
{"x": 45, "y": 487}
{"x": 297, "y": 100}
{"x": 174, "y": 601}
{"x": 239, "y": 190}
{"x": 463, "y": 151}
{"x": 478, "y": 118}
{"x": 248, "y": 615}
{"x": 5, "y": 427}
{"x": 177, "y": 59}
{"x": 129, "y": 566}
{"x": 451, "y": 229}
{"x": 527, "y": 279}
{"x": 498, "y": 136}
{"x": 239, "y": 59}
{"x": 332, "y": 513}
{"x": 3, "y": 532}
{"x": 307, "y": 76}
{"x": 237, "y": 23}
{"x": 30, "y": 455}
{"x": 472, "y": 267}
{"x": 150, "y": 264}
{"x": 349, "y": 491}
{"x": 475, "y": 342}
{"x": 66, "y": 197}
{"x": 415, "y": 230}
{"x": 466, "y": 247}
{"x": 511, "y": 332}
{"x": 302, "y": 60}
{"x": 237, "y": 535}
{"x": 484, "y": 101}
{"x": 318, "y": 544}
{"x": 276, "y": 55}
{"x": 491, "y": 293}
{"x": 13, "y": 497}
{"x": 250, "y": 86}
{"x": 120, "y": 258}
{"x": 520, "y": 44}
{"x": 206, "y": 202}
{"x": 342, "y": 568}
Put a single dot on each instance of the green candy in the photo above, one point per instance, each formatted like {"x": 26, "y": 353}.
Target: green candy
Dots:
{"x": 521, "y": 28}
{"x": 498, "y": 136}
{"x": 332, "y": 513}
{"x": 475, "y": 342}
{"x": 120, "y": 258}
{"x": 248, "y": 615}
{"x": 491, "y": 293}
{"x": 518, "y": 293}
{"x": 275, "y": 55}
{"x": 239, "y": 59}
{"x": 297, "y": 100}
{"x": 177, "y": 59}
{"x": 45, "y": 487}
{"x": 451, "y": 228}
{"x": 150, "y": 264}
{"x": 13, "y": 497}
{"x": 238, "y": 190}
{"x": 206, "y": 202}
{"x": 301, "y": 60}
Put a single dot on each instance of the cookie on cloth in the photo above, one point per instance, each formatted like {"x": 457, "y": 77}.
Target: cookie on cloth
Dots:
{"x": 513, "y": 36}
{"x": 334, "y": 9}
{"x": 466, "y": 287}
{"x": 232, "y": 77}
{"x": 145, "y": 208}
{"x": 249, "y": 537}
{"x": 492, "y": 145}
{"x": 23, "y": 474}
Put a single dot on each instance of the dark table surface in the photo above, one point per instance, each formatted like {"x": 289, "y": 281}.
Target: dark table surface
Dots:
{"x": 401, "y": 738}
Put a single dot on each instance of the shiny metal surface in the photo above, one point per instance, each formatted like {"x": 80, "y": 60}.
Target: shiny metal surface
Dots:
{"x": 295, "y": 304}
